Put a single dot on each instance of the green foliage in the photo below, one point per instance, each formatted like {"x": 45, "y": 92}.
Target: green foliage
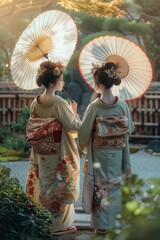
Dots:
{"x": 90, "y": 24}
{"x": 150, "y": 7}
{"x": 4, "y": 171}
{"x": 16, "y": 142}
{"x": 124, "y": 26}
{"x": 4, "y": 132}
{"x": 140, "y": 214}
{"x": 98, "y": 34}
{"x": 20, "y": 125}
{"x": 136, "y": 28}
{"x": 20, "y": 217}
{"x": 7, "y": 154}
{"x": 14, "y": 145}
{"x": 115, "y": 24}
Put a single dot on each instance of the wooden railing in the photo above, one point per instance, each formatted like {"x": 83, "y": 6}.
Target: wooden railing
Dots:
{"x": 11, "y": 106}
{"x": 146, "y": 115}
{"x": 12, "y": 102}
{"x": 145, "y": 111}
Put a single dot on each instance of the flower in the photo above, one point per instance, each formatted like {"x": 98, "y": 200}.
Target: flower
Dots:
{"x": 58, "y": 68}
{"x": 60, "y": 167}
{"x": 30, "y": 191}
{"x": 29, "y": 205}
{"x": 30, "y": 182}
{"x": 31, "y": 175}
{"x": 64, "y": 162}
{"x": 68, "y": 178}
{"x": 59, "y": 177}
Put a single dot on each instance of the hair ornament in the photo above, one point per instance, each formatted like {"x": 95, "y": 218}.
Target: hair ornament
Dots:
{"x": 112, "y": 73}
{"x": 58, "y": 68}
{"x": 95, "y": 68}
{"x": 41, "y": 70}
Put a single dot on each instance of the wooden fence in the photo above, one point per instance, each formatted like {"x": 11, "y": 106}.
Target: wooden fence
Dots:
{"x": 12, "y": 102}
{"x": 145, "y": 111}
{"x": 146, "y": 115}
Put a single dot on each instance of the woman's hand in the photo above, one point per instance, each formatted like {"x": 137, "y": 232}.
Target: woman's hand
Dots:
{"x": 73, "y": 104}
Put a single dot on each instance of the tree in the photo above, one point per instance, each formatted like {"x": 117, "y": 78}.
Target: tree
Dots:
{"x": 17, "y": 14}
{"x": 140, "y": 24}
{"x": 149, "y": 11}
{"x": 93, "y": 7}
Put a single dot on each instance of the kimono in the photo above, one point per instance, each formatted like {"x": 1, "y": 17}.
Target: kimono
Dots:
{"x": 107, "y": 159}
{"x": 53, "y": 177}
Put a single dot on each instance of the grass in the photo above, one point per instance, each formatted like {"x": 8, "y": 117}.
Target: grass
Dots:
{"x": 7, "y": 154}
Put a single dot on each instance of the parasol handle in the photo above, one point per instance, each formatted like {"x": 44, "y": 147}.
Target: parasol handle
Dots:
{"x": 66, "y": 93}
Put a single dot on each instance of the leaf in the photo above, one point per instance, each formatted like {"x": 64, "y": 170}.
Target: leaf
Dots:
{"x": 132, "y": 205}
{"x": 27, "y": 222}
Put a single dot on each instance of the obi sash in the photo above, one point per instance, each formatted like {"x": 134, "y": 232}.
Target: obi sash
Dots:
{"x": 110, "y": 131}
{"x": 43, "y": 133}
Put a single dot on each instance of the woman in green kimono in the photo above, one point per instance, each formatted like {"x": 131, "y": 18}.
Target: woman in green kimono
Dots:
{"x": 53, "y": 177}
{"x": 103, "y": 135}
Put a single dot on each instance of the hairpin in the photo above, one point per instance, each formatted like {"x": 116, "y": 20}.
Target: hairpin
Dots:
{"x": 41, "y": 70}
{"x": 58, "y": 68}
{"x": 95, "y": 68}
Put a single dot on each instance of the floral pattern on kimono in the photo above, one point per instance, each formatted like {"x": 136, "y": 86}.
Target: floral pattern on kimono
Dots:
{"x": 32, "y": 179}
{"x": 102, "y": 190}
{"x": 64, "y": 183}
{"x": 58, "y": 182}
{"x": 105, "y": 180}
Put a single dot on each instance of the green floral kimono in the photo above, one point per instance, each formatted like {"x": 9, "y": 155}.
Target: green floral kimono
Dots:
{"x": 105, "y": 163}
{"x": 57, "y": 186}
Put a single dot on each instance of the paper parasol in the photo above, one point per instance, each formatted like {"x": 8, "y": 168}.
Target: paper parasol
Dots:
{"x": 52, "y": 35}
{"x": 133, "y": 64}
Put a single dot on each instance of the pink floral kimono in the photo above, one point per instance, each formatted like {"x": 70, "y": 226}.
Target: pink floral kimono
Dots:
{"x": 53, "y": 177}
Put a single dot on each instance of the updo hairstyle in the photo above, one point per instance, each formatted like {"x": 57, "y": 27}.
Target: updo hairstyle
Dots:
{"x": 48, "y": 73}
{"x": 107, "y": 75}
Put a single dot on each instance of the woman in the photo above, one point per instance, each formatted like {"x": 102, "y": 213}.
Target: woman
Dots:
{"x": 52, "y": 129}
{"x": 103, "y": 134}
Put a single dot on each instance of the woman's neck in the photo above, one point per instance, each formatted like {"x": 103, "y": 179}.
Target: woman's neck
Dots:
{"x": 107, "y": 97}
{"x": 48, "y": 93}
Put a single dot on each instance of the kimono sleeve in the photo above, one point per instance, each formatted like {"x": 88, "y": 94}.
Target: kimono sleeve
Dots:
{"x": 32, "y": 109}
{"x": 64, "y": 114}
{"x": 126, "y": 164}
{"x": 86, "y": 129}
{"x": 131, "y": 126}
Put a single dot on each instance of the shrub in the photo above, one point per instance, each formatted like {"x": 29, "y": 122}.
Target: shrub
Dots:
{"x": 4, "y": 132}
{"x": 15, "y": 139}
{"x": 20, "y": 126}
{"x": 140, "y": 213}
{"x": 20, "y": 217}
{"x": 16, "y": 142}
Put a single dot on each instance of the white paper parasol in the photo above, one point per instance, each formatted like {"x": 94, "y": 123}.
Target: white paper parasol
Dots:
{"x": 52, "y": 35}
{"x": 133, "y": 64}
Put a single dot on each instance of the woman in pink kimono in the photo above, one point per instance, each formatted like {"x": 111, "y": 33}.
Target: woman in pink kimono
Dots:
{"x": 103, "y": 135}
{"x": 53, "y": 177}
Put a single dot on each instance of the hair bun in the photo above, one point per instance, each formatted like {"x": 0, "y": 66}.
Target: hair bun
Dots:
{"x": 116, "y": 80}
{"x": 109, "y": 65}
{"x": 39, "y": 81}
